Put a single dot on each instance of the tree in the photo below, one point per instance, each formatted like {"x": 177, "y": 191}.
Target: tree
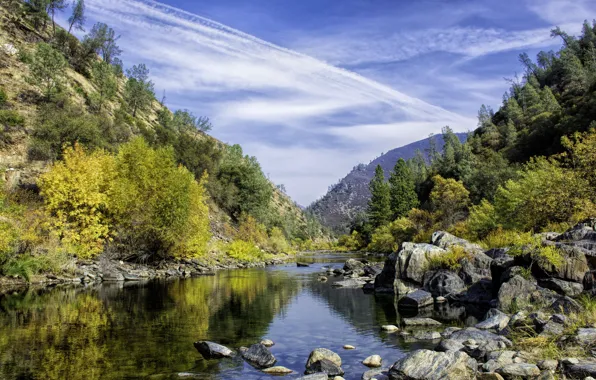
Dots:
{"x": 450, "y": 200}
{"x": 78, "y": 18}
{"x": 138, "y": 92}
{"x": 402, "y": 189}
{"x": 48, "y": 69}
{"x": 52, "y": 7}
{"x": 106, "y": 83}
{"x": 103, "y": 39}
{"x": 379, "y": 205}
{"x": 38, "y": 11}
{"x": 185, "y": 121}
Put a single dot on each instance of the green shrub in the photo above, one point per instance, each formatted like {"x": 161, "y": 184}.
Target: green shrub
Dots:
{"x": 243, "y": 251}
{"x": 25, "y": 56}
{"x": 27, "y": 265}
{"x": 3, "y": 97}
{"x": 382, "y": 241}
{"x": 11, "y": 119}
{"x": 451, "y": 260}
{"x": 506, "y": 238}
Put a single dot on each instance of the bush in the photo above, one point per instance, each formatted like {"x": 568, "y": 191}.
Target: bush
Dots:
{"x": 244, "y": 251}
{"x": 11, "y": 119}
{"x": 451, "y": 260}
{"x": 382, "y": 241}
{"x": 277, "y": 241}
{"x": 506, "y": 238}
{"x": 3, "y": 98}
{"x": 352, "y": 242}
{"x": 251, "y": 231}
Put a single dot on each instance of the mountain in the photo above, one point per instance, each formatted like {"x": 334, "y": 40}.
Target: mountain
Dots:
{"x": 350, "y": 195}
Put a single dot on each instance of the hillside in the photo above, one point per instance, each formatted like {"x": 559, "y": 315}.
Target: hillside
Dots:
{"x": 92, "y": 163}
{"x": 350, "y": 195}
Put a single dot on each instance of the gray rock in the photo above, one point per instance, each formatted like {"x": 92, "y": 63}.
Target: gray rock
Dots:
{"x": 442, "y": 283}
{"x": 494, "y": 320}
{"x": 475, "y": 268}
{"x": 565, "y": 304}
{"x": 426, "y": 335}
{"x": 573, "y": 268}
{"x": 488, "y": 376}
{"x": 421, "y": 322}
{"x": 551, "y": 328}
{"x": 565, "y": 288}
{"x": 480, "y": 292}
{"x": 372, "y": 270}
{"x": 581, "y": 369}
{"x": 112, "y": 276}
{"x": 303, "y": 265}
{"x": 519, "y": 293}
{"x": 413, "y": 260}
{"x": 354, "y": 266}
{"x": 373, "y": 361}
{"x": 349, "y": 283}
{"x": 378, "y": 374}
{"x": 258, "y": 356}
{"x": 325, "y": 366}
{"x": 449, "y": 330}
{"x": 323, "y": 353}
{"x": 446, "y": 240}
{"x": 449, "y": 345}
{"x": 426, "y": 364}
{"x": 278, "y": 370}
{"x": 519, "y": 370}
{"x": 211, "y": 350}
{"x": 415, "y": 300}
{"x": 586, "y": 336}
{"x": 314, "y": 376}
{"x": 389, "y": 328}
{"x": 548, "y": 364}
{"x": 267, "y": 343}
{"x": 497, "y": 360}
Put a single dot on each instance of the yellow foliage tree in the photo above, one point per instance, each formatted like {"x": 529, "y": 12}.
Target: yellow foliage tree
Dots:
{"x": 76, "y": 195}
{"x": 450, "y": 200}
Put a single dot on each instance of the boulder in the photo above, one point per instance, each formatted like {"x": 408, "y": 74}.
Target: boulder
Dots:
{"x": 323, "y": 353}
{"x": 413, "y": 260}
{"x": 519, "y": 293}
{"x": 421, "y": 322}
{"x": 325, "y": 366}
{"x": 426, "y": 364}
{"x": 449, "y": 345}
{"x": 495, "y": 319}
{"x": 573, "y": 267}
{"x": 500, "y": 264}
{"x": 355, "y": 266}
{"x": 303, "y": 265}
{"x": 389, "y": 328}
{"x": 415, "y": 300}
{"x": 446, "y": 240}
{"x": 384, "y": 282}
{"x": 579, "y": 369}
{"x": 258, "y": 356}
{"x": 586, "y": 336}
{"x": 481, "y": 337}
{"x": 562, "y": 287}
{"x": 267, "y": 343}
{"x": 443, "y": 282}
{"x": 211, "y": 350}
{"x": 498, "y": 359}
{"x": 426, "y": 335}
{"x": 519, "y": 370}
{"x": 376, "y": 374}
{"x": 582, "y": 235}
{"x": 548, "y": 364}
{"x": 480, "y": 293}
{"x": 489, "y": 376}
{"x": 372, "y": 270}
{"x": 475, "y": 267}
{"x": 373, "y": 361}
{"x": 565, "y": 304}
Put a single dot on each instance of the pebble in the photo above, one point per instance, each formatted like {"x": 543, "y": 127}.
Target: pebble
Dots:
{"x": 349, "y": 347}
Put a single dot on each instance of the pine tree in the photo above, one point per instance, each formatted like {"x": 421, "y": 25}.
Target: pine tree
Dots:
{"x": 402, "y": 189}
{"x": 379, "y": 206}
{"x": 77, "y": 19}
{"x": 138, "y": 91}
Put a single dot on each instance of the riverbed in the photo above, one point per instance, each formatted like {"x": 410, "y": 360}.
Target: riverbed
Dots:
{"x": 146, "y": 330}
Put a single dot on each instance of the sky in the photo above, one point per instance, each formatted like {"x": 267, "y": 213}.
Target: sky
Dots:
{"x": 314, "y": 87}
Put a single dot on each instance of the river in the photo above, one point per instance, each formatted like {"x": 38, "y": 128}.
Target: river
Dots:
{"x": 147, "y": 330}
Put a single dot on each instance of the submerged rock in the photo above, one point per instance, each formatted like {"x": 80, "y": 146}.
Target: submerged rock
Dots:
{"x": 211, "y": 350}
{"x": 415, "y": 300}
{"x": 258, "y": 355}
{"x": 426, "y": 364}
{"x": 278, "y": 370}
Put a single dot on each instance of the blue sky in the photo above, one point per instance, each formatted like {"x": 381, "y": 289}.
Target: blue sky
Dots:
{"x": 314, "y": 87}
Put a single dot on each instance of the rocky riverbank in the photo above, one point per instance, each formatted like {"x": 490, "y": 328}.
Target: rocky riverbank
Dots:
{"x": 540, "y": 321}
{"x": 106, "y": 270}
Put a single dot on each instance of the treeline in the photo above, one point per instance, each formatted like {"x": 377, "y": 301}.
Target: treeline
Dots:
{"x": 529, "y": 166}
{"x": 129, "y": 177}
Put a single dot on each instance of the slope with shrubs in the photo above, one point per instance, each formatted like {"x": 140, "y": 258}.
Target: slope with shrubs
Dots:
{"x": 528, "y": 167}
{"x": 93, "y": 164}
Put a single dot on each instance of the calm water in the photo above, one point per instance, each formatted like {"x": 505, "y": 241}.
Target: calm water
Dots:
{"x": 147, "y": 330}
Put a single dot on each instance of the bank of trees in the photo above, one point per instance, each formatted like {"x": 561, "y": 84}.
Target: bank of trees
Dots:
{"x": 529, "y": 166}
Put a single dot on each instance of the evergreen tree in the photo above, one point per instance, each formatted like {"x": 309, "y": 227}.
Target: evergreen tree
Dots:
{"x": 379, "y": 206}
{"x": 107, "y": 86}
{"x": 52, "y": 7}
{"x": 103, "y": 40}
{"x": 77, "y": 19}
{"x": 48, "y": 69}
{"x": 138, "y": 91}
{"x": 402, "y": 189}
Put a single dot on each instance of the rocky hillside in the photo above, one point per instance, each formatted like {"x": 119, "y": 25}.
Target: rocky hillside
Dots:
{"x": 350, "y": 195}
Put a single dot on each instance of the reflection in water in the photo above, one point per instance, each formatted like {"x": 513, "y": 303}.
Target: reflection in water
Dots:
{"x": 140, "y": 331}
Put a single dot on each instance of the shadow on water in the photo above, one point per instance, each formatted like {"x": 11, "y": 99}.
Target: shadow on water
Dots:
{"x": 146, "y": 330}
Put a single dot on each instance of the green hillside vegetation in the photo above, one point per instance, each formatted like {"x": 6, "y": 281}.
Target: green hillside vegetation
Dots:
{"x": 93, "y": 163}
{"x": 528, "y": 167}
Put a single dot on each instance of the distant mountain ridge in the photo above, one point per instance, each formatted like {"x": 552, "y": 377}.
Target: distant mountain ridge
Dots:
{"x": 350, "y": 196}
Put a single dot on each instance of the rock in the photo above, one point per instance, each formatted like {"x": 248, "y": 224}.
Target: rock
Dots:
{"x": 519, "y": 370}
{"x": 479, "y": 293}
{"x": 426, "y": 364}
{"x": 323, "y": 353}
{"x": 475, "y": 268}
{"x": 112, "y": 276}
{"x": 373, "y": 361}
{"x": 325, "y": 366}
{"x": 372, "y": 270}
{"x": 403, "y": 287}
{"x": 349, "y": 347}
{"x": 442, "y": 283}
{"x": 573, "y": 268}
{"x": 421, "y": 322}
{"x": 440, "y": 299}
{"x": 582, "y": 235}
{"x": 497, "y": 360}
{"x": 322, "y": 278}
{"x": 565, "y": 288}
{"x": 449, "y": 330}
{"x": 211, "y": 350}
{"x": 449, "y": 345}
{"x": 519, "y": 293}
{"x": 446, "y": 240}
{"x": 481, "y": 337}
{"x": 489, "y": 376}
{"x": 427, "y": 335}
{"x": 500, "y": 264}
{"x": 278, "y": 370}
{"x": 564, "y": 304}
{"x": 315, "y": 376}
{"x": 415, "y": 300}
{"x": 258, "y": 356}
{"x": 302, "y": 265}
{"x": 390, "y": 328}
{"x": 378, "y": 374}
{"x": 353, "y": 265}
{"x": 546, "y": 375}
{"x": 548, "y": 364}
{"x": 9, "y": 49}
{"x": 551, "y": 328}
{"x": 349, "y": 283}
{"x": 494, "y": 320}
{"x": 586, "y": 336}
{"x": 267, "y": 343}
{"x": 338, "y": 378}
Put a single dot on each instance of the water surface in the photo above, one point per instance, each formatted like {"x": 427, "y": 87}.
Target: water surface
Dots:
{"x": 146, "y": 331}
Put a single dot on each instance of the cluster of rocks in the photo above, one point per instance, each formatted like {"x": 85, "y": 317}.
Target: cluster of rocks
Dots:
{"x": 356, "y": 274}
{"x": 321, "y": 364}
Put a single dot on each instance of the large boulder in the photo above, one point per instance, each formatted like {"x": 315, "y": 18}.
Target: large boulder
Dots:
{"x": 320, "y": 354}
{"x": 426, "y": 364}
{"x": 562, "y": 287}
{"x": 519, "y": 371}
{"x": 475, "y": 267}
{"x": 354, "y": 266}
{"x": 482, "y": 338}
{"x": 446, "y": 240}
{"x": 520, "y": 293}
{"x": 573, "y": 268}
{"x": 384, "y": 282}
{"x": 415, "y": 300}
{"x": 442, "y": 283}
{"x": 258, "y": 356}
{"x": 494, "y": 320}
{"x": 582, "y": 235}
{"x": 325, "y": 366}
{"x": 211, "y": 350}
{"x": 480, "y": 293}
